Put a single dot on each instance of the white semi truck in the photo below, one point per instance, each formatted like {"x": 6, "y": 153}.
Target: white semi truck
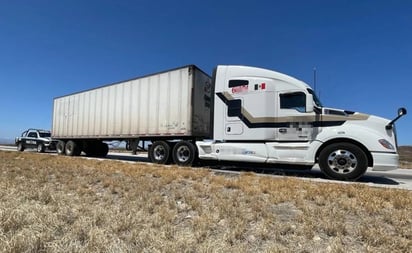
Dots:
{"x": 241, "y": 114}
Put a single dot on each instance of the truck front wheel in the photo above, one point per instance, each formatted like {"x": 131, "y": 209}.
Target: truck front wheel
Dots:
{"x": 184, "y": 153}
{"x": 343, "y": 161}
{"x": 159, "y": 152}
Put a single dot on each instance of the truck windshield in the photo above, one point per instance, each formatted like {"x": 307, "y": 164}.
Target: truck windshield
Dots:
{"x": 315, "y": 98}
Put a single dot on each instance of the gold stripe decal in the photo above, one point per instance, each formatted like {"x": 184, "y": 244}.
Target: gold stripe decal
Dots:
{"x": 319, "y": 120}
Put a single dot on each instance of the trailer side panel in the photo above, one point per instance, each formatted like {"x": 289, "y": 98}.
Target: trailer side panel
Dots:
{"x": 171, "y": 103}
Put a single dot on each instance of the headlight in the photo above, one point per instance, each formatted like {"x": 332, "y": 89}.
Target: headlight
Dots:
{"x": 386, "y": 144}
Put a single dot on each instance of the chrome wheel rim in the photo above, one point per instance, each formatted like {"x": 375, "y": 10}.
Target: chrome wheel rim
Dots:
{"x": 342, "y": 161}
{"x": 183, "y": 154}
{"x": 159, "y": 153}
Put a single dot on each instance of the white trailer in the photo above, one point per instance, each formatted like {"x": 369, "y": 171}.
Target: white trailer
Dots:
{"x": 171, "y": 105}
{"x": 242, "y": 114}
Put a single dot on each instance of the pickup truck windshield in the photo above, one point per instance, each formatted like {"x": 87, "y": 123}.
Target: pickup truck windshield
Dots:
{"x": 43, "y": 135}
{"x": 315, "y": 98}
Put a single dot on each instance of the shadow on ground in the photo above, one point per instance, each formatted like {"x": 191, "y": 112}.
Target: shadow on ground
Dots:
{"x": 265, "y": 170}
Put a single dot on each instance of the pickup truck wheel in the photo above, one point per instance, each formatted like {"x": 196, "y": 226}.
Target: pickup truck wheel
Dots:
{"x": 61, "y": 147}
{"x": 72, "y": 149}
{"x": 40, "y": 148}
{"x": 159, "y": 152}
{"x": 20, "y": 147}
{"x": 343, "y": 161}
{"x": 184, "y": 153}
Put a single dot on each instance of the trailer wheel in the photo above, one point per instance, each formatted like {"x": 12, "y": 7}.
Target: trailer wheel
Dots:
{"x": 184, "y": 153}
{"x": 40, "y": 148}
{"x": 72, "y": 149}
{"x": 61, "y": 147}
{"x": 343, "y": 161}
{"x": 159, "y": 152}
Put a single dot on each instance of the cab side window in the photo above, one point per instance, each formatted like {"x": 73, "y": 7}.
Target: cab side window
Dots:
{"x": 234, "y": 108}
{"x": 295, "y": 100}
{"x": 32, "y": 135}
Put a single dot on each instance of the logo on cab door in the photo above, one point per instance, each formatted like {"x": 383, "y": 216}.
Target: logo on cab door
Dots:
{"x": 239, "y": 89}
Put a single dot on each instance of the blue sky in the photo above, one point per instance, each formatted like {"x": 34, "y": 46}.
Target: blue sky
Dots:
{"x": 362, "y": 50}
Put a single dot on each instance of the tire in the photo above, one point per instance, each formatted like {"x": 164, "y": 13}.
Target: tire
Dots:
{"x": 20, "y": 147}
{"x": 78, "y": 149}
{"x": 72, "y": 149}
{"x": 40, "y": 148}
{"x": 343, "y": 161}
{"x": 90, "y": 148}
{"x": 96, "y": 149}
{"x": 61, "y": 147}
{"x": 184, "y": 153}
{"x": 159, "y": 152}
{"x": 103, "y": 149}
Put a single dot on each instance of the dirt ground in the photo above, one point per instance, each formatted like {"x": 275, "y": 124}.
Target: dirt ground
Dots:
{"x": 62, "y": 204}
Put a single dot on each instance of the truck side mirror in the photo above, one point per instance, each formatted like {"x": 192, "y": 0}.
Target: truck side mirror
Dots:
{"x": 309, "y": 103}
{"x": 402, "y": 111}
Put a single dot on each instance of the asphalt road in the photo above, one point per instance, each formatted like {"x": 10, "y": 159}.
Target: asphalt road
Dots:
{"x": 400, "y": 178}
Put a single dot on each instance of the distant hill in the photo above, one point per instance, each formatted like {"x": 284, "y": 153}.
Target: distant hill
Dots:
{"x": 5, "y": 141}
{"x": 405, "y": 153}
{"x": 405, "y": 157}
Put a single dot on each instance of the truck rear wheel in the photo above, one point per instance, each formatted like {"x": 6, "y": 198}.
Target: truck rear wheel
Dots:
{"x": 72, "y": 149}
{"x": 343, "y": 161}
{"x": 159, "y": 152}
{"x": 184, "y": 153}
{"x": 61, "y": 147}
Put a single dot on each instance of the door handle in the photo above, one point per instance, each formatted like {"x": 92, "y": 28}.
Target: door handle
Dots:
{"x": 283, "y": 130}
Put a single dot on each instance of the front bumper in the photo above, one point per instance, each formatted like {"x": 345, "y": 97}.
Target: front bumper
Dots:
{"x": 50, "y": 145}
{"x": 385, "y": 161}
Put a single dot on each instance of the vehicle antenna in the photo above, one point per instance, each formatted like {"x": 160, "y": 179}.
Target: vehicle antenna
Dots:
{"x": 314, "y": 79}
{"x": 315, "y": 82}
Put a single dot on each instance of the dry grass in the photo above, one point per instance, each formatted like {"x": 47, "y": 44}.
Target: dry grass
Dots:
{"x": 61, "y": 204}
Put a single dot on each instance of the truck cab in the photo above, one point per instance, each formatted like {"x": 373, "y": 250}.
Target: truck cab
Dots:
{"x": 263, "y": 116}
